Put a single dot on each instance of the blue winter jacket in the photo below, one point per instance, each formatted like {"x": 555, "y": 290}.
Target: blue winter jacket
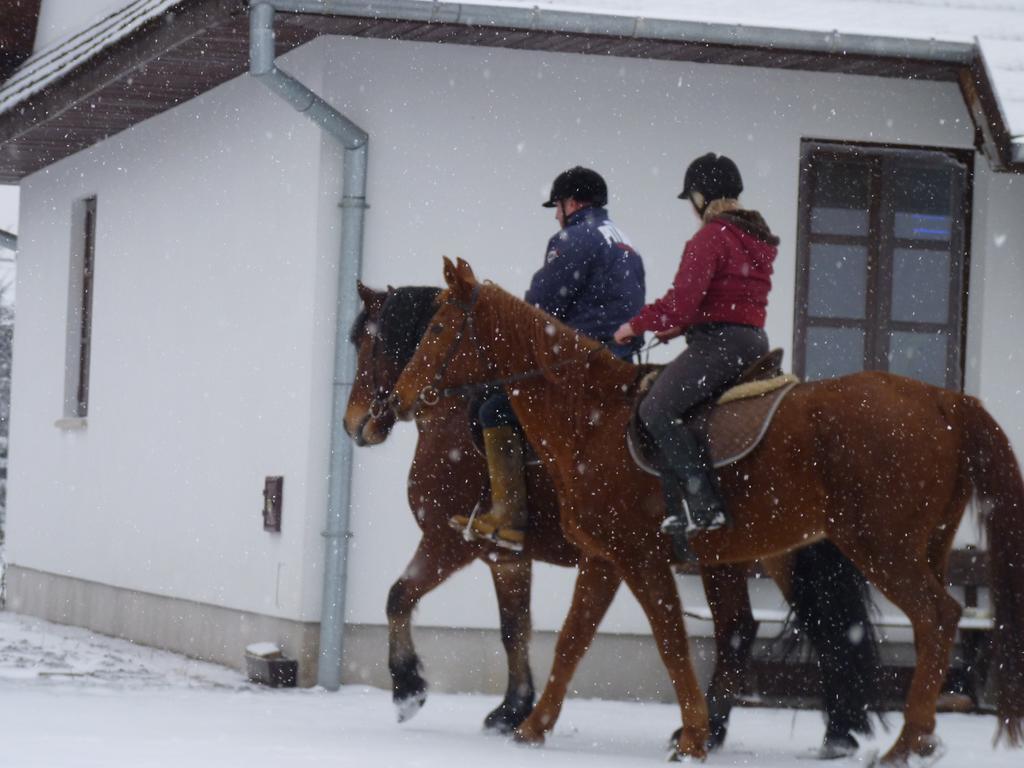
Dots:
{"x": 592, "y": 278}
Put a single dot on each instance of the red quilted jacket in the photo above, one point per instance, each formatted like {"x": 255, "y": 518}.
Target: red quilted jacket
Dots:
{"x": 724, "y": 277}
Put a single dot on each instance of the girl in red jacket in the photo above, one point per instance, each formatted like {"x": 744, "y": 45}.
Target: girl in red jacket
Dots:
{"x": 717, "y": 301}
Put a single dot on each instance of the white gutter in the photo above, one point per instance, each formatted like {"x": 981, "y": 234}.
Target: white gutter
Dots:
{"x": 354, "y": 140}
{"x": 635, "y": 27}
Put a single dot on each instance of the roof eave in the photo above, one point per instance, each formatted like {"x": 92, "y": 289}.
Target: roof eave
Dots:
{"x": 501, "y": 26}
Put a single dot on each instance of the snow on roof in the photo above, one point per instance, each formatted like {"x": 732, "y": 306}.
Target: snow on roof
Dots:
{"x": 1005, "y": 62}
{"x": 53, "y": 62}
{"x": 996, "y": 26}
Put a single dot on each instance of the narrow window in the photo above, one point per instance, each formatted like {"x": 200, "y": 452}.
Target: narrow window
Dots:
{"x": 881, "y": 262}
{"x": 80, "y": 290}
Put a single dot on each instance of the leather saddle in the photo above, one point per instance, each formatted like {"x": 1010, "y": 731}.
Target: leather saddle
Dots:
{"x": 736, "y": 422}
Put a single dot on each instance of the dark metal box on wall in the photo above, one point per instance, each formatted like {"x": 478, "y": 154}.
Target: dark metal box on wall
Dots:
{"x": 265, "y": 664}
{"x": 273, "y": 501}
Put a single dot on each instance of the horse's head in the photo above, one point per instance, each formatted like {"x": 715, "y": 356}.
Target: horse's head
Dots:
{"x": 385, "y": 335}
{"x": 365, "y": 422}
{"x": 448, "y": 352}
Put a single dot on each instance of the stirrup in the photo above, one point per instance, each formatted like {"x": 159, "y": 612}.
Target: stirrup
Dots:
{"x": 465, "y": 524}
{"x": 718, "y": 520}
{"x": 701, "y": 491}
{"x": 678, "y": 525}
{"x": 508, "y": 538}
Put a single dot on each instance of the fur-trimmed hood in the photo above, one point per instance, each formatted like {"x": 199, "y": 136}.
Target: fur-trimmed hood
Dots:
{"x": 751, "y": 222}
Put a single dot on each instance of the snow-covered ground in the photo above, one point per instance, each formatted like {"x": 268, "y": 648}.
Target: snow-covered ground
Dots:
{"x": 72, "y": 698}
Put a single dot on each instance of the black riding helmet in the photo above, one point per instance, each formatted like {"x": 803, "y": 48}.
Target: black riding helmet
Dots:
{"x": 581, "y": 184}
{"x": 714, "y": 176}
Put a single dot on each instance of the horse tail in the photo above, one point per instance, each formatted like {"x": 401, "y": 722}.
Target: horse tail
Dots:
{"x": 833, "y": 606}
{"x": 996, "y": 477}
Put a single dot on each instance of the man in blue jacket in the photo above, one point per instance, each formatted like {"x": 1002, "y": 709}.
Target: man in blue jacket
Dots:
{"x": 593, "y": 281}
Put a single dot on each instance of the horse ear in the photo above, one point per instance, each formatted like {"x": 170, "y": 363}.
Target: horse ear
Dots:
{"x": 366, "y": 294}
{"x": 459, "y": 278}
{"x": 465, "y": 272}
{"x": 450, "y": 274}
{"x": 372, "y": 300}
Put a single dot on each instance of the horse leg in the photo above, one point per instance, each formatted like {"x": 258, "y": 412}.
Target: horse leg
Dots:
{"x": 831, "y": 602}
{"x": 512, "y": 585}
{"x": 655, "y": 589}
{"x": 735, "y": 631}
{"x": 596, "y": 585}
{"x": 963, "y": 689}
{"x": 433, "y": 562}
{"x": 913, "y": 587}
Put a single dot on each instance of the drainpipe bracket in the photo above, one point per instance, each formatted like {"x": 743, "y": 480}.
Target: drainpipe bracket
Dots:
{"x": 347, "y": 535}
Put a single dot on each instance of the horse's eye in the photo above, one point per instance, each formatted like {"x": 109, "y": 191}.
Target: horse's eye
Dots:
{"x": 437, "y": 329}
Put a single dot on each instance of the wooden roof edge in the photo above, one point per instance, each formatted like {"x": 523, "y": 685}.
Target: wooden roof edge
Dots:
{"x": 167, "y": 32}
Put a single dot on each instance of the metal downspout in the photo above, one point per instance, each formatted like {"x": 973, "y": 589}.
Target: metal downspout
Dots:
{"x": 354, "y": 140}
{"x": 8, "y": 240}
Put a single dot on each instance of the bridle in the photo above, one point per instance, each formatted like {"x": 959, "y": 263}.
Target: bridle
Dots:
{"x": 382, "y": 404}
{"x": 432, "y": 394}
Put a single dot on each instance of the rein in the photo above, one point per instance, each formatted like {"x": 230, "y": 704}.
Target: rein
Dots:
{"x": 464, "y": 389}
{"x": 431, "y": 395}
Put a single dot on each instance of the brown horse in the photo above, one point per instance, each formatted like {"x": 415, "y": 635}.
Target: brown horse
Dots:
{"x": 881, "y": 465}
{"x": 832, "y": 598}
{"x": 437, "y": 488}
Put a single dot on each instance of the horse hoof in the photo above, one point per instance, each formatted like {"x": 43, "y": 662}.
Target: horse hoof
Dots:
{"x": 928, "y": 750}
{"x": 498, "y": 725}
{"x": 715, "y": 740}
{"x": 674, "y": 739}
{"x": 675, "y": 756}
{"x": 407, "y": 707}
{"x": 835, "y": 747}
{"x": 506, "y": 717}
{"x": 716, "y": 737}
{"x": 528, "y": 739}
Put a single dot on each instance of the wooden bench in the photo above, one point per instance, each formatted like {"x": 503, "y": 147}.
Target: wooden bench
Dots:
{"x": 774, "y": 681}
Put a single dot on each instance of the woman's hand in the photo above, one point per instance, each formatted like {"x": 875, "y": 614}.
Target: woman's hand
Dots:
{"x": 624, "y": 334}
{"x": 671, "y": 333}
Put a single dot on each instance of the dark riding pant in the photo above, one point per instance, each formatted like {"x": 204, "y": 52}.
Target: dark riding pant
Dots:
{"x": 496, "y": 411}
{"x": 714, "y": 358}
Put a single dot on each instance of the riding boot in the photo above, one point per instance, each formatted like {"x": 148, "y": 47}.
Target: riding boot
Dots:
{"x": 693, "y": 500}
{"x": 505, "y": 523}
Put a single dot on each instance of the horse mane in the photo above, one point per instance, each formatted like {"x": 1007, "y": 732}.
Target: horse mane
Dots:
{"x": 403, "y": 320}
{"x": 549, "y": 341}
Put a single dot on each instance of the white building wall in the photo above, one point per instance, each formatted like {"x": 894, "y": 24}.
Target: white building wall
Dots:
{"x": 995, "y": 356}
{"x": 216, "y": 280}
{"x": 9, "y": 223}
{"x": 60, "y": 18}
{"x": 212, "y": 342}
